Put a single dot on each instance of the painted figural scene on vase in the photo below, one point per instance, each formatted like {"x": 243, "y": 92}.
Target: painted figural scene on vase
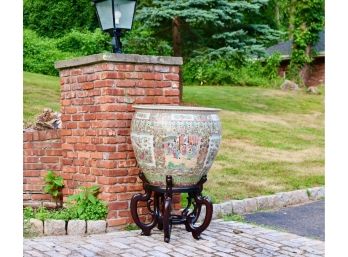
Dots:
{"x": 180, "y": 141}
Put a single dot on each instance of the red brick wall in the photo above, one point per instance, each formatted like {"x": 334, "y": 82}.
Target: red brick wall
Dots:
{"x": 316, "y": 74}
{"x": 41, "y": 152}
{"x": 96, "y": 102}
{"x": 94, "y": 146}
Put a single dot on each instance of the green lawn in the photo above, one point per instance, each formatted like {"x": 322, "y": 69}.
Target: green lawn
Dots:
{"x": 40, "y": 92}
{"x": 272, "y": 140}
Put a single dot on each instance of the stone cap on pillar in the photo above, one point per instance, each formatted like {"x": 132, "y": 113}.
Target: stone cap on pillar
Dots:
{"x": 118, "y": 58}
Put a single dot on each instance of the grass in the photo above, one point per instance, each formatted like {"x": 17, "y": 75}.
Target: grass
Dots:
{"x": 234, "y": 217}
{"x": 40, "y": 91}
{"x": 272, "y": 140}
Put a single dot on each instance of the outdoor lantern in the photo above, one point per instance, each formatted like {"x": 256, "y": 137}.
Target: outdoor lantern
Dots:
{"x": 115, "y": 15}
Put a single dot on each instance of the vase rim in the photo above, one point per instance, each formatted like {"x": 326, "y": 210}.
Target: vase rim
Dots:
{"x": 174, "y": 108}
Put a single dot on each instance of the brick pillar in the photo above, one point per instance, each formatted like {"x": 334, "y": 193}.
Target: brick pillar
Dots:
{"x": 97, "y": 94}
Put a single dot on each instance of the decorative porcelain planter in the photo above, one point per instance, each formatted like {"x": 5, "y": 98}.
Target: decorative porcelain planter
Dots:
{"x": 181, "y": 141}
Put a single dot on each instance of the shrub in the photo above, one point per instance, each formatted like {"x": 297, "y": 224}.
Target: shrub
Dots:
{"x": 54, "y": 186}
{"x": 28, "y": 213}
{"x": 84, "y": 43}
{"x": 55, "y": 18}
{"x": 233, "y": 71}
{"x": 40, "y": 53}
{"x": 85, "y": 205}
{"x": 140, "y": 40}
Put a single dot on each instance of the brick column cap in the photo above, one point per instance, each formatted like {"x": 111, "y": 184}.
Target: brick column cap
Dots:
{"x": 118, "y": 58}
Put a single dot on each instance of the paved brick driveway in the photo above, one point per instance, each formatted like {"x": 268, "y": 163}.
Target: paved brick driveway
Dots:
{"x": 221, "y": 239}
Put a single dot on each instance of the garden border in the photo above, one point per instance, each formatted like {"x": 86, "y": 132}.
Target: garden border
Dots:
{"x": 51, "y": 227}
{"x": 267, "y": 202}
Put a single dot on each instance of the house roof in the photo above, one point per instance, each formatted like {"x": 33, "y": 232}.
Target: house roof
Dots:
{"x": 285, "y": 48}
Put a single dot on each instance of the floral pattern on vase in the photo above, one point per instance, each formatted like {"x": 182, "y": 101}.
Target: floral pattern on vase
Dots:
{"x": 175, "y": 140}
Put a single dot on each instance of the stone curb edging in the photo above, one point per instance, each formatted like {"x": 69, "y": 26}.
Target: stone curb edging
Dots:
{"x": 71, "y": 227}
{"x": 266, "y": 202}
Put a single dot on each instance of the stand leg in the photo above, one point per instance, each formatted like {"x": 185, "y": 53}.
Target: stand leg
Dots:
{"x": 158, "y": 209}
{"x": 192, "y": 218}
{"x": 167, "y": 224}
{"x": 146, "y": 228}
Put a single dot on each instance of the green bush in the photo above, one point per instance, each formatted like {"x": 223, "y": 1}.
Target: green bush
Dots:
{"x": 233, "y": 71}
{"x": 51, "y": 18}
{"x": 53, "y": 186}
{"x": 141, "y": 40}
{"x": 84, "y": 43}
{"x": 40, "y": 53}
{"x": 85, "y": 205}
{"x": 28, "y": 213}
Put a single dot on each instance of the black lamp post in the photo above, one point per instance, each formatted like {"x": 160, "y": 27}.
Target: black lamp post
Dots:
{"x": 115, "y": 15}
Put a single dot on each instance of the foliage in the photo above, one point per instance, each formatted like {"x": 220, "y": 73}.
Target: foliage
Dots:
{"x": 142, "y": 40}
{"x": 42, "y": 213}
{"x": 309, "y": 21}
{"x": 54, "y": 184}
{"x": 28, "y": 213}
{"x": 51, "y": 18}
{"x": 85, "y": 205}
{"x": 84, "y": 42}
{"x": 40, "y": 53}
{"x": 233, "y": 71}
{"x": 131, "y": 226}
{"x": 221, "y": 27}
{"x": 234, "y": 217}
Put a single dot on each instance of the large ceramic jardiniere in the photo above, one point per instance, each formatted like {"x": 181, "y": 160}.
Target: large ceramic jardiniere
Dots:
{"x": 180, "y": 141}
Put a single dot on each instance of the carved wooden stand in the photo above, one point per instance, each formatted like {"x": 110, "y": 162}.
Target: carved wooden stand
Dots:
{"x": 162, "y": 206}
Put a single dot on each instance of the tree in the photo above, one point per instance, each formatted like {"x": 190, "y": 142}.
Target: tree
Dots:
{"x": 219, "y": 28}
{"x": 195, "y": 25}
{"x": 54, "y": 18}
{"x": 308, "y": 22}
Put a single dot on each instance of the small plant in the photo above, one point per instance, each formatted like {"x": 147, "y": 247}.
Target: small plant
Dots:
{"x": 28, "y": 213}
{"x": 85, "y": 205}
{"x": 233, "y": 217}
{"x": 54, "y": 186}
{"x": 42, "y": 213}
{"x": 131, "y": 226}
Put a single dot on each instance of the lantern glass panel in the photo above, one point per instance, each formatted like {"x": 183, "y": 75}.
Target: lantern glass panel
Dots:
{"x": 125, "y": 7}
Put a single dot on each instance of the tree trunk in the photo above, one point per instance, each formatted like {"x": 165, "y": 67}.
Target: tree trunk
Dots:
{"x": 291, "y": 18}
{"x": 176, "y": 36}
{"x": 277, "y": 15}
{"x": 305, "y": 71}
{"x": 177, "y": 48}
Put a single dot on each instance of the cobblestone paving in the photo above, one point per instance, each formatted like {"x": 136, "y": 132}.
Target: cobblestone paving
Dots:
{"x": 220, "y": 239}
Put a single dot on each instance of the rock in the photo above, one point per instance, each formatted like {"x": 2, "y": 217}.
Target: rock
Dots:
{"x": 238, "y": 206}
{"x": 96, "y": 226}
{"x": 316, "y": 193}
{"x": 265, "y": 202}
{"x": 299, "y": 196}
{"x": 282, "y": 199}
{"x": 217, "y": 211}
{"x": 36, "y": 227}
{"x": 226, "y": 208}
{"x": 54, "y": 227}
{"x": 289, "y": 85}
{"x": 312, "y": 90}
{"x": 291, "y": 198}
{"x": 76, "y": 227}
{"x": 250, "y": 205}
